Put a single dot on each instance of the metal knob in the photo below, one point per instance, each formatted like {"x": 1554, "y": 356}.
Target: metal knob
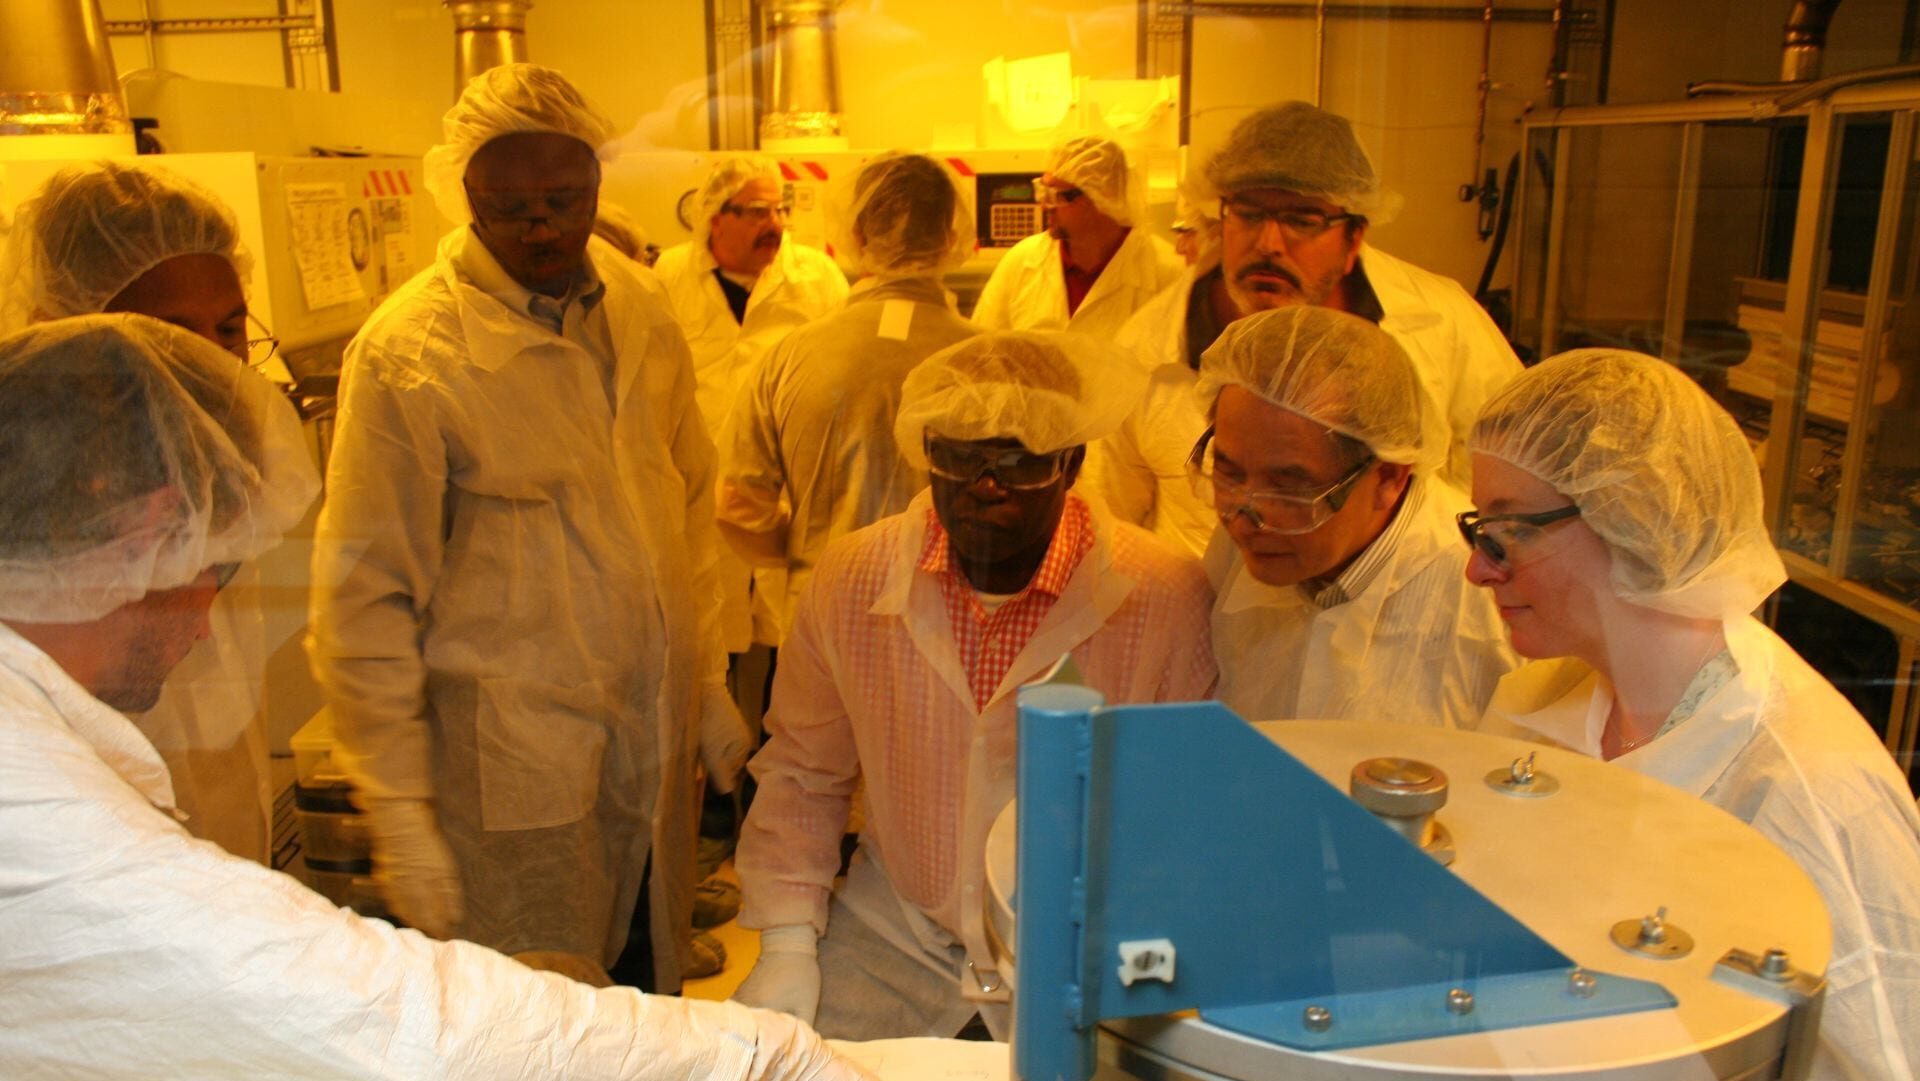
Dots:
{"x": 1404, "y": 793}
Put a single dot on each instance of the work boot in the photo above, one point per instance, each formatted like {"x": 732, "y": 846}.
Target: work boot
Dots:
{"x": 708, "y": 957}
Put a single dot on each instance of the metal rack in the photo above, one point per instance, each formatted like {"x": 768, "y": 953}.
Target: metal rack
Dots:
{"x": 1769, "y": 243}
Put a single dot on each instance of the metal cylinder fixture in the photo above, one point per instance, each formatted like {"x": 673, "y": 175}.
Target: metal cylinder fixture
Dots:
{"x": 1405, "y": 793}
{"x": 486, "y": 34}
{"x": 56, "y": 71}
{"x": 1805, "y": 39}
{"x": 804, "y": 84}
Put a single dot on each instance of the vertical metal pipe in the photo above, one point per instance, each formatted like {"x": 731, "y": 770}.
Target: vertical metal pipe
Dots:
{"x": 1319, "y": 53}
{"x": 486, "y": 35}
{"x": 56, "y": 71}
{"x": 1556, "y": 244}
{"x": 1686, "y": 206}
{"x": 1486, "y": 88}
{"x": 1804, "y": 39}
{"x": 804, "y": 94}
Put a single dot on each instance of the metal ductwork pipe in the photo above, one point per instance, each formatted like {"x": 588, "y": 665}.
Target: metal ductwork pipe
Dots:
{"x": 486, "y": 34}
{"x": 804, "y": 87}
{"x": 1805, "y": 39}
{"x": 56, "y": 71}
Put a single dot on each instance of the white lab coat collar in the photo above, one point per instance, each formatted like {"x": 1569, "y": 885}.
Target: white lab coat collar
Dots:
{"x": 1568, "y": 702}
{"x": 1093, "y": 593}
{"x": 1407, "y": 310}
{"x": 118, "y": 742}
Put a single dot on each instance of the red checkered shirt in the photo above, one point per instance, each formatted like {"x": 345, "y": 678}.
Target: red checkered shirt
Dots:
{"x": 989, "y": 642}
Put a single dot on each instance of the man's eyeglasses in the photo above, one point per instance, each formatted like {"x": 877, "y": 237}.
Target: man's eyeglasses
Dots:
{"x": 1296, "y": 223}
{"x": 261, "y": 344}
{"x": 517, "y": 211}
{"x": 757, "y": 212}
{"x": 1047, "y": 195}
{"x": 1269, "y": 510}
{"x": 1498, "y": 536}
{"x": 1015, "y": 469}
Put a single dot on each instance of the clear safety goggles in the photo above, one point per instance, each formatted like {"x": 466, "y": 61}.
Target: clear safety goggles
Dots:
{"x": 1502, "y": 537}
{"x": 1269, "y": 510}
{"x": 1015, "y": 469}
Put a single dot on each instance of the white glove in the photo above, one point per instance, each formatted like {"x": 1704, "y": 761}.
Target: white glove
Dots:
{"x": 776, "y": 1047}
{"x": 723, "y": 738}
{"x": 787, "y": 976}
{"x": 413, "y": 866}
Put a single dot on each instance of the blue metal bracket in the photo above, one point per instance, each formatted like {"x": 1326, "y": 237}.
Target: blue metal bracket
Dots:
{"x": 1279, "y": 893}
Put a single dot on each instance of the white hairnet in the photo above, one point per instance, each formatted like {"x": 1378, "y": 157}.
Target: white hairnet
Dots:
{"x": 1300, "y": 148}
{"x": 1658, "y": 470}
{"x": 136, "y": 456}
{"x": 507, "y": 100}
{"x": 1098, "y": 167}
{"x": 905, "y": 216}
{"x": 1049, "y": 391}
{"x": 91, "y": 231}
{"x": 1337, "y": 370}
{"x": 724, "y": 181}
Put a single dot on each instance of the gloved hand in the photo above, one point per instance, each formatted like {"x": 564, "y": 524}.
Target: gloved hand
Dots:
{"x": 790, "y": 1051}
{"x": 710, "y": 1035}
{"x": 724, "y": 739}
{"x": 413, "y": 866}
{"x": 787, "y": 976}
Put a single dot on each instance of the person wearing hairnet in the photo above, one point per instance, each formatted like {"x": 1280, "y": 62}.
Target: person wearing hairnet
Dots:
{"x": 906, "y": 650}
{"x": 738, "y": 287}
{"x": 812, "y": 454}
{"x": 1337, "y": 565}
{"x": 1091, "y": 268}
{"x": 1619, "y": 528}
{"x": 515, "y": 616}
{"x": 121, "y": 238}
{"x": 1296, "y": 194}
{"x": 138, "y": 466}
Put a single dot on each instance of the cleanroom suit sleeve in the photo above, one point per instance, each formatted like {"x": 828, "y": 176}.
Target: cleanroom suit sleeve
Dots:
{"x": 790, "y": 845}
{"x": 991, "y": 310}
{"x": 377, "y": 556}
{"x": 1120, "y": 476}
{"x": 750, "y": 511}
{"x": 723, "y": 734}
{"x": 153, "y": 954}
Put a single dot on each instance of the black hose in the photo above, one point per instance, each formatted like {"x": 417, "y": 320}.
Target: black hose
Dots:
{"x": 1499, "y": 230}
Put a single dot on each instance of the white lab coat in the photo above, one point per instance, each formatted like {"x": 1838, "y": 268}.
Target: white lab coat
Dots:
{"x": 812, "y": 455}
{"x": 1780, "y": 749}
{"x": 1419, "y": 645}
{"x": 210, "y": 731}
{"x": 1141, "y": 469}
{"x": 871, "y": 688}
{"x": 129, "y": 949}
{"x": 1028, "y": 292}
{"x": 515, "y": 613}
{"x": 800, "y": 285}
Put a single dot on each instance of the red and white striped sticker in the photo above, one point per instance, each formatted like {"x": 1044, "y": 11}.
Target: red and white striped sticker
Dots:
{"x": 385, "y": 182}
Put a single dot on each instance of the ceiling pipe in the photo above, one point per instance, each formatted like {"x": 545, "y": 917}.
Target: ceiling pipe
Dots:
{"x": 1805, "y": 39}
{"x": 486, "y": 34}
{"x": 804, "y": 87}
{"x": 56, "y": 71}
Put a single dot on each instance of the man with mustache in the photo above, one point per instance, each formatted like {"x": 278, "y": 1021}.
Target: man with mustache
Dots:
{"x": 1092, "y": 268}
{"x": 515, "y": 615}
{"x": 738, "y": 287}
{"x": 1296, "y": 196}
{"x": 907, "y": 648}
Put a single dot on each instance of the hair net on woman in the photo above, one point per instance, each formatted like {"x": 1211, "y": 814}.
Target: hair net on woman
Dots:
{"x": 137, "y": 456}
{"x": 905, "y": 216}
{"x": 1658, "y": 470}
{"x": 1338, "y": 370}
{"x": 507, "y": 100}
{"x": 1098, "y": 167}
{"x": 91, "y": 231}
{"x": 723, "y": 182}
{"x": 1300, "y": 148}
{"x": 1049, "y": 391}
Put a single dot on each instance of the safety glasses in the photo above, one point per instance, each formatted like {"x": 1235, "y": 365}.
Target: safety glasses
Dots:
{"x": 1500, "y": 537}
{"x": 1269, "y": 510}
{"x": 1013, "y": 468}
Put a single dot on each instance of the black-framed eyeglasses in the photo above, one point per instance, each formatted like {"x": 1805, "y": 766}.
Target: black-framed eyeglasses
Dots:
{"x": 757, "y": 211}
{"x": 517, "y": 211}
{"x": 1269, "y": 510}
{"x": 1296, "y": 223}
{"x": 261, "y": 342}
{"x": 1015, "y": 469}
{"x": 1498, "y": 536}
